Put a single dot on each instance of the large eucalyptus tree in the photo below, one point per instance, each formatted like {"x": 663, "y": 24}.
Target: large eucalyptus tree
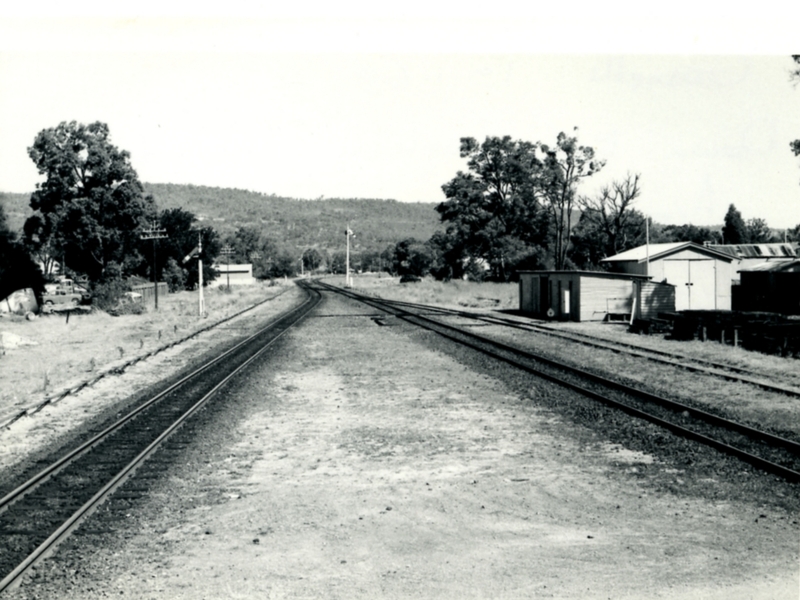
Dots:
{"x": 91, "y": 208}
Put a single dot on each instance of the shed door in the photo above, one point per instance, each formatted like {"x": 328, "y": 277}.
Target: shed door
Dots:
{"x": 694, "y": 281}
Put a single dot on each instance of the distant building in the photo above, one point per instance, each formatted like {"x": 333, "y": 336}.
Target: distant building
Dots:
{"x": 701, "y": 275}
{"x": 236, "y": 274}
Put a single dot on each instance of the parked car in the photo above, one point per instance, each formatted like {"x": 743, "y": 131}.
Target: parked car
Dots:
{"x": 65, "y": 292}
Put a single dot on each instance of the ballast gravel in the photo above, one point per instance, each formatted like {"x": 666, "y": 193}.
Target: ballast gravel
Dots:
{"x": 363, "y": 459}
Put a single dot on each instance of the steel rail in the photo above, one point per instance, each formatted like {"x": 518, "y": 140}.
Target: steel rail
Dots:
{"x": 708, "y": 367}
{"x": 53, "y": 468}
{"x": 670, "y": 404}
{"x": 295, "y": 315}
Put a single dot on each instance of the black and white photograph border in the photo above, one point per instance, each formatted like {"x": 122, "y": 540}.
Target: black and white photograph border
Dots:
{"x": 356, "y": 455}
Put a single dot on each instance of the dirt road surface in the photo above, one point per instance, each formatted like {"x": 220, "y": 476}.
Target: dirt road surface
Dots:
{"x": 365, "y": 461}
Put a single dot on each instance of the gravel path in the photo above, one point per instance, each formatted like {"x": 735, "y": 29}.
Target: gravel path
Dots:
{"x": 368, "y": 461}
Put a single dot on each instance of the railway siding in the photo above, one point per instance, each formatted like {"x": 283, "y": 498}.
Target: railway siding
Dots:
{"x": 373, "y": 461}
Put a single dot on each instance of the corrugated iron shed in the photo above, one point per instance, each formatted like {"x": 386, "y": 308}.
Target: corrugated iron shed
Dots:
{"x": 787, "y": 250}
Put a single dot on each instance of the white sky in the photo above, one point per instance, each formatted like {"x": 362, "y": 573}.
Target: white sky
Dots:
{"x": 308, "y": 101}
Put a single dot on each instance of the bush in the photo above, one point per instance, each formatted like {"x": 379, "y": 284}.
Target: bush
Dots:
{"x": 409, "y": 278}
{"x": 112, "y": 296}
{"x": 127, "y": 306}
{"x": 175, "y": 276}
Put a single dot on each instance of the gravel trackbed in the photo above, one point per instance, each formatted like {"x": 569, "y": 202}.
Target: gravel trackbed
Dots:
{"x": 365, "y": 460}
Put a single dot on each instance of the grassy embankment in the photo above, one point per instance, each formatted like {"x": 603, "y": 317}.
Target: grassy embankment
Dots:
{"x": 55, "y": 352}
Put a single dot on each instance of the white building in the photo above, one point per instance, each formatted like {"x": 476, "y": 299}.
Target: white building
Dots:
{"x": 701, "y": 275}
{"x": 235, "y": 274}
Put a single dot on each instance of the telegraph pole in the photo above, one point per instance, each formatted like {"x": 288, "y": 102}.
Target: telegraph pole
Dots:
{"x": 202, "y": 304}
{"x": 347, "y": 282}
{"x": 226, "y": 252}
{"x": 155, "y": 234}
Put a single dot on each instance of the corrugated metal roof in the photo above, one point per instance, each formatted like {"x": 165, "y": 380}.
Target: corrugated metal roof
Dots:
{"x": 785, "y": 266}
{"x": 788, "y": 250}
{"x": 640, "y": 253}
{"x": 605, "y": 274}
{"x": 660, "y": 250}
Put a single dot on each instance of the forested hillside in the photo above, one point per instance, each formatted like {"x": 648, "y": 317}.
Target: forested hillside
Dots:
{"x": 288, "y": 222}
{"x": 17, "y": 208}
{"x": 302, "y": 223}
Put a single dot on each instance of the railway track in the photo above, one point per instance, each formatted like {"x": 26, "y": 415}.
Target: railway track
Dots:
{"x": 41, "y": 512}
{"x": 681, "y": 361}
{"x": 764, "y": 450}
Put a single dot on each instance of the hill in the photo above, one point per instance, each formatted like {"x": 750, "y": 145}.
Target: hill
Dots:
{"x": 302, "y": 223}
{"x": 17, "y": 209}
{"x": 290, "y": 222}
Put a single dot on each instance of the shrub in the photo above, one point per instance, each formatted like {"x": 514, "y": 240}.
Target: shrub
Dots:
{"x": 174, "y": 275}
{"x": 112, "y": 296}
{"x": 409, "y": 278}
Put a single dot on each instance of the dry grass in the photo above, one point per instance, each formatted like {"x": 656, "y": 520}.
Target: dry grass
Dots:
{"x": 58, "y": 352}
{"x": 769, "y": 365}
{"x": 455, "y": 294}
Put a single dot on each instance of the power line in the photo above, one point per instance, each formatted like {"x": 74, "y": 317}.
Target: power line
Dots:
{"x": 154, "y": 233}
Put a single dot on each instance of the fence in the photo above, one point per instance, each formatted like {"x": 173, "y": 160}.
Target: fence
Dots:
{"x": 148, "y": 293}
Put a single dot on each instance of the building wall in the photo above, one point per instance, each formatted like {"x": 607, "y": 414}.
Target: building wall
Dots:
{"x": 653, "y": 298}
{"x": 601, "y": 296}
{"x": 676, "y": 270}
{"x": 527, "y": 302}
{"x": 237, "y": 274}
{"x": 574, "y": 296}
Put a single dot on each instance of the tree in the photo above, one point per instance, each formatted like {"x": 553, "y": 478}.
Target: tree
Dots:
{"x": 245, "y": 242}
{"x": 734, "y": 231}
{"x": 371, "y": 261}
{"x": 175, "y": 275}
{"x": 182, "y": 239}
{"x": 90, "y": 209}
{"x": 565, "y": 165}
{"x": 412, "y": 257}
{"x": 312, "y": 259}
{"x": 686, "y": 233}
{"x": 17, "y": 268}
{"x": 795, "y": 145}
{"x": 498, "y": 199}
{"x": 609, "y": 221}
{"x": 591, "y": 242}
{"x": 338, "y": 262}
{"x": 447, "y": 256}
{"x": 758, "y": 232}
{"x": 284, "y": 265}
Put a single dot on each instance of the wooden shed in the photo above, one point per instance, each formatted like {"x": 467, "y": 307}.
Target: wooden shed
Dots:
{"x": 576, "y": 295}
{"x": 701, "y": 275}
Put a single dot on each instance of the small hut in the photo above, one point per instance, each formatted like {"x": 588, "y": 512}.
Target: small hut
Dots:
{"x": 577, "y": 295}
